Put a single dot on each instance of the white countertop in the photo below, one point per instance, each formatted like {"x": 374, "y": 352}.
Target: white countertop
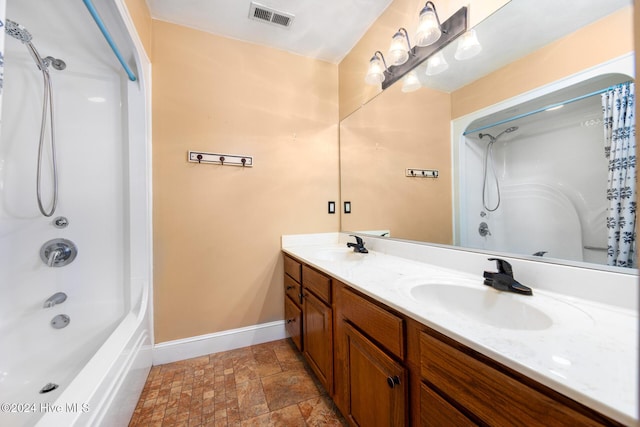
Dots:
{"x": 589, "y": 352}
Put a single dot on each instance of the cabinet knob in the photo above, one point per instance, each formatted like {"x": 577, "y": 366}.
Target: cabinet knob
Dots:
{"x": 289, "y": 287}
{"x": 393, "y": 381}
{"x": 291, "y": 320}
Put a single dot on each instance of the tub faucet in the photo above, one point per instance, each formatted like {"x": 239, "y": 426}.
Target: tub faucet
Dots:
{"x": 358, "y": 246}
{"x": 503, "y": 280}
{"x": 55, "y": 299}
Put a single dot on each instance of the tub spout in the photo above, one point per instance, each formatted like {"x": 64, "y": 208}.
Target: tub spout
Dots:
{"x": 55, "y": 299}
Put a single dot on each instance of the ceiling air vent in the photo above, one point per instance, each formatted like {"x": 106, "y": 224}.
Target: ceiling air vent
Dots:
{"x": 258, "y": 12}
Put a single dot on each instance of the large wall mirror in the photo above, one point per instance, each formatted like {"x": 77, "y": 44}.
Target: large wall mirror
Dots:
{"x": 521, "y": 168}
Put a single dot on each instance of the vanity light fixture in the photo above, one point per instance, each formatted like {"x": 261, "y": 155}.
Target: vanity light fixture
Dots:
{"x": 436, "y": 64}
{"x": 377, "y": 67}
{"x": 403, "y": 62}
{"x": 411, "y": 82}
{"x": 429, "y": 28}
{"x": 468, "y": 46}
{"x": 398, "y": 53}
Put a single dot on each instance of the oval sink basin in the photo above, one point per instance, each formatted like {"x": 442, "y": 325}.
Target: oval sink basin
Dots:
{"x": 483, "y": 305}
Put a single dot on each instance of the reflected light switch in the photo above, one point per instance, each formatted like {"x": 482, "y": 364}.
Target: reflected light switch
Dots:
{"x": 347, "y": 207}
{"x": 332, "y": 207}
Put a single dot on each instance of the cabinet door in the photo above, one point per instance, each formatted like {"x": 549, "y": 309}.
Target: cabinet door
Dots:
{"x": 318, "y": 339}
{"x": 376, "y": 384}
{"x": 293, "y": 321}
{"x": 437, "y": 412}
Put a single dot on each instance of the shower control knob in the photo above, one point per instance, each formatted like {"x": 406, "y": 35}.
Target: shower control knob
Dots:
{"x": 58, "y": 252}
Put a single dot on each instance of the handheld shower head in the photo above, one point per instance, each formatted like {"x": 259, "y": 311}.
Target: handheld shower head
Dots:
{"x": 17, "y": 31}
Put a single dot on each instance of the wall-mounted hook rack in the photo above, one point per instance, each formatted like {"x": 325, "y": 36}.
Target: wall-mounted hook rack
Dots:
{"x": 220, "y": 159}
{"x": 422, "y": 173}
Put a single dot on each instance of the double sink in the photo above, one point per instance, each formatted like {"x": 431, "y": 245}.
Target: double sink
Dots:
{"x": 466, "y": 298}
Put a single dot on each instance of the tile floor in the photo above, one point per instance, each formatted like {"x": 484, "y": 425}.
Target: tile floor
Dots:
{"x": 263, "y": 385}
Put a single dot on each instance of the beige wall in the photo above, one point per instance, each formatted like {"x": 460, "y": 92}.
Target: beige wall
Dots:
{"x": 142, "y": 20}
{"x": 585, "y": 48}
{"x": 217, "y": 262}
{"x": 377, "y": 144}
{"x": 401, "y": 13}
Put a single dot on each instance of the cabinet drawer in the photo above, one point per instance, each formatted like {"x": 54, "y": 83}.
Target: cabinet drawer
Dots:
{"x": 436, "y": 412}
{"x": 293, "y": 322}
{"x": 317, "y": 283}
{"x": 382, "y": 326}
{"x": 493, "y": 396}
{"x": 293, "y": 290}
{"x": 293, "y": 268}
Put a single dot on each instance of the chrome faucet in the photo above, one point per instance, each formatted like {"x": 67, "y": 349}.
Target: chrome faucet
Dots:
{"x": 55, "y": 299}
{"x": 503, "y": 280}
{"x": 358, "y": 246}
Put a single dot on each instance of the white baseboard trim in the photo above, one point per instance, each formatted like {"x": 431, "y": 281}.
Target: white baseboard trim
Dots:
{"x": 173, "y": 351}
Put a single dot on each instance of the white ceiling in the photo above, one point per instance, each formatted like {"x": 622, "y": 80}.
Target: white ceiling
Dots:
{"x": 322, "y": 29}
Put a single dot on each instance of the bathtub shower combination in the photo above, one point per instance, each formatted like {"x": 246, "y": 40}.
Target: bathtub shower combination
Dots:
{"x": 74, "y": 217}
{"x": 536, "y": 184}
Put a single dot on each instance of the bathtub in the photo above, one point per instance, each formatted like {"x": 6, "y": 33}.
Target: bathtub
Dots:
{"x": 101, "y": 358}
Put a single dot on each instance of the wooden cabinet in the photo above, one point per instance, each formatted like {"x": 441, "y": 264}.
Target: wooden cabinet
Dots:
{"x": 385, "y": 369}
{"x": 489, "y": 393}
{"x": 371, "y": 384}
{"x": 293, "y": 300}
{"x": 318, "y": 338}
{"x": 293, "y": 321}
{"x": 309, "y": 316}
{"x": 376, "y": 385}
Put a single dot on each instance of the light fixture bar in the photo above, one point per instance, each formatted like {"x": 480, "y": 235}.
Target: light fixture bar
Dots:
{"x": 451, "y": 29}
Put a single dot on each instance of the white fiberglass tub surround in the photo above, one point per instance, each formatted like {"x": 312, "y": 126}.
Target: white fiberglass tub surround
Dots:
{"x": 101, "y": 358}
{"x": 552, "y": 174}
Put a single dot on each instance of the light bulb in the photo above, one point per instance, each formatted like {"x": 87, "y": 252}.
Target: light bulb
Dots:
{"x": 375, "y": 73}
{"x": 468, "y": 46}
{"x": 436, "y": 64}
{"x": 398, "y": 53}
{"x": 428, "y": 28}
{"x": 410, "y": 82}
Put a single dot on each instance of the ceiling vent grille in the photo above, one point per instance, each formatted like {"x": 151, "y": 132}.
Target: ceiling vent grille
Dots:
{"x": 261, "y": 13}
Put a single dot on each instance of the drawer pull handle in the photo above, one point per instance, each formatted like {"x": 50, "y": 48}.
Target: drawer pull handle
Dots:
{"x": 291, "y": 320}
{"x": 289, "y": 287}
{"x": 393, "y": 381}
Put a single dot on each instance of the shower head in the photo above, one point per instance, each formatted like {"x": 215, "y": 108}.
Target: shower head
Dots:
{"x": 495, "y": 138}
{"x": 17, "y": 31}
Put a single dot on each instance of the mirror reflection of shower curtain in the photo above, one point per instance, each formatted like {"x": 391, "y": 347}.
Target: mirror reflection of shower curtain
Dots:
{"x": 3, "y": 7}
{"x": 618, "y": 107}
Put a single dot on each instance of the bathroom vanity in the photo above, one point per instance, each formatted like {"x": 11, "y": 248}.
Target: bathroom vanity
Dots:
{"x": 398, "y": 342}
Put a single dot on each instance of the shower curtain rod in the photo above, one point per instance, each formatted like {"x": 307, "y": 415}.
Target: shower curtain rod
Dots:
{"x": 107, "y": 35}
{"x": 539, "y": 110}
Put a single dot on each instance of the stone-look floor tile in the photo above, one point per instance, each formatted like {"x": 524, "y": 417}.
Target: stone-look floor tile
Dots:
{"x": 251, "y": 399}
{"x": 288, "y": 388}
{"x": 289, "y": 417}
{"x": 229, "y": 389}
{"x": 321, "y": 411}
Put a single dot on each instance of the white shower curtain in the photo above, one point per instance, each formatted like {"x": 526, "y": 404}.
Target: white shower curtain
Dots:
{"x": 618, "y": 107}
